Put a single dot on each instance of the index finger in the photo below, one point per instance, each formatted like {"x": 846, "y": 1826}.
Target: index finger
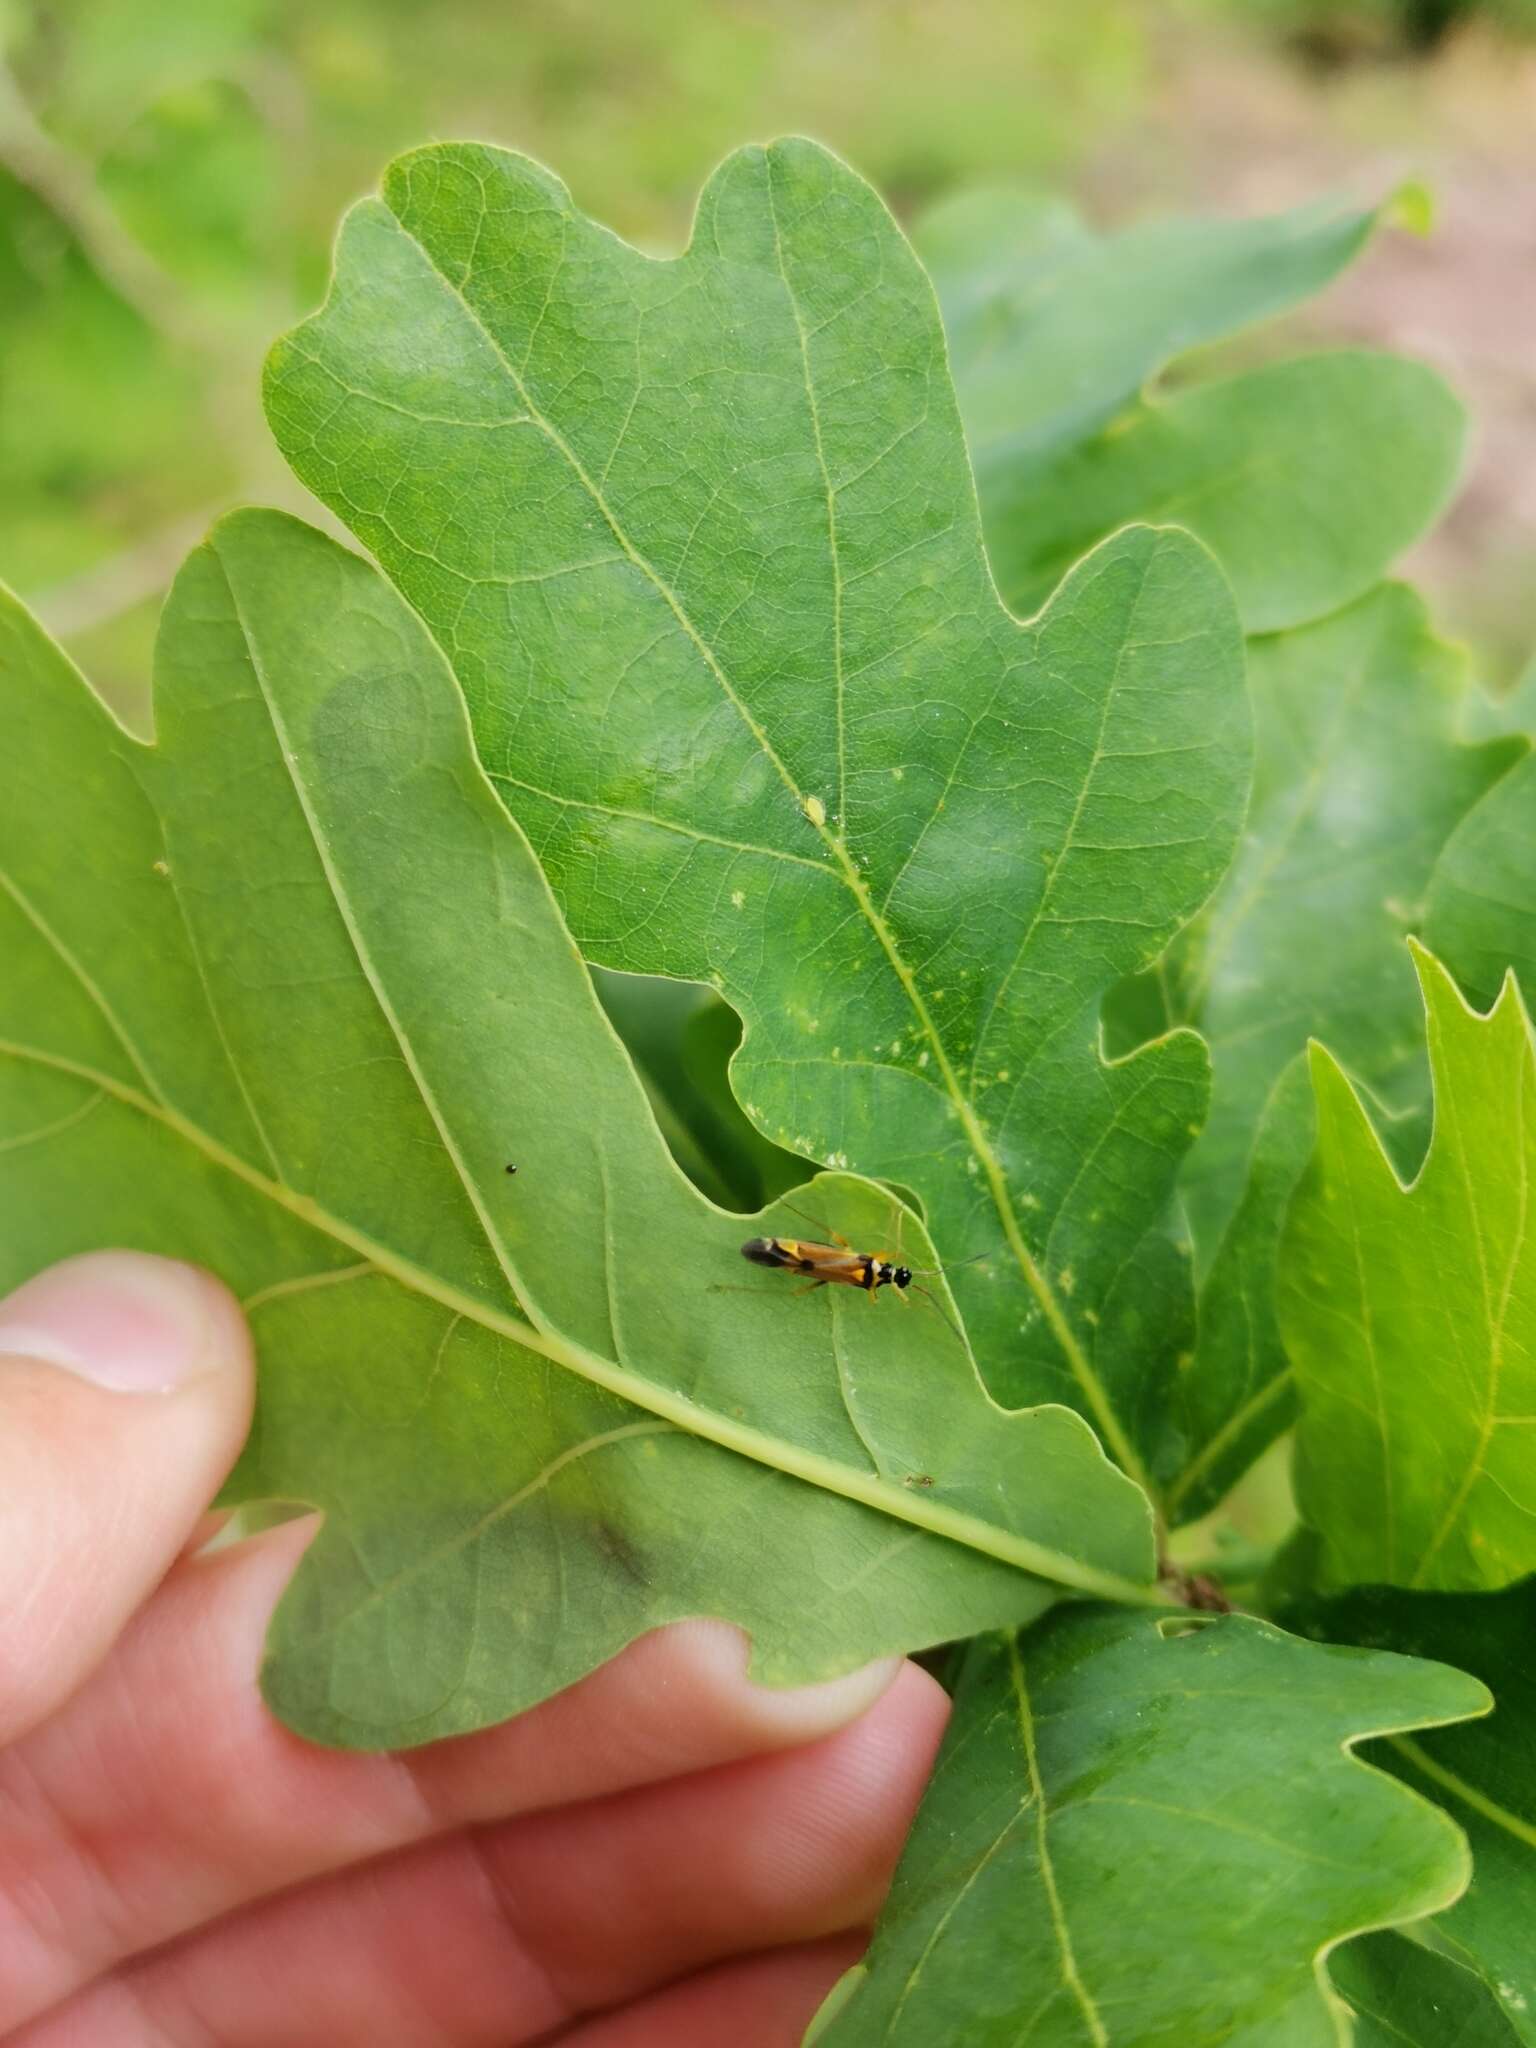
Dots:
{"x": 166, "y": 1794}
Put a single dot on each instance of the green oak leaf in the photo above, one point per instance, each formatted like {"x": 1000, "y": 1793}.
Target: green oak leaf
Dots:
{"x": 700, "y": 540}
{"x": 1092, "y": 318}
{"x": 1359, "y": 780}
{"x": 1410, "y": 1317}
{"x": 286, "y": 993}
{"x": 1483, "y": 1775}
{"x": 1146, "y": 1832}
{"x": 1405, "y": 1996}
{"x": 1305, "y": 478}
{"x": 1481, "y": 919}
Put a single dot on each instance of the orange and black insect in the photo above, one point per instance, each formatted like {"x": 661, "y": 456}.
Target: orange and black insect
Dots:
{"x": 830, "y": 1265}
{"x": 838, "y": 1265}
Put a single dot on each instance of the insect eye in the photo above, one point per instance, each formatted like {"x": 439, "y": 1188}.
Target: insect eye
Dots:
{"x": 902, "y": 1276}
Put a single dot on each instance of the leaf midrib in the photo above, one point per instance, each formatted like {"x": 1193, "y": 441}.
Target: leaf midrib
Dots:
{"x": 1071, "y": 1975}
{"x": 1080, "y": 1365}
{"x": 902, "y": 1503}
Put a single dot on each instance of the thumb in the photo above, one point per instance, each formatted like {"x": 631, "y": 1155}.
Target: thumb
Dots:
{"x": 125, "y": 1392}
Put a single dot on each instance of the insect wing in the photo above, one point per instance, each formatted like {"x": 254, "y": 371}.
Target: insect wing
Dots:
{"x": 829, "y": 1262}
{"x": 800, "y": 1255}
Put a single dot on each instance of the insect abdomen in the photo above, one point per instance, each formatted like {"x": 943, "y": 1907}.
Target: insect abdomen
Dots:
{"x": 768, "y": 1251}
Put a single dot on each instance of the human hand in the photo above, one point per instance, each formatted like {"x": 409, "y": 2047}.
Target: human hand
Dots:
{"x": 662, "y": 1856}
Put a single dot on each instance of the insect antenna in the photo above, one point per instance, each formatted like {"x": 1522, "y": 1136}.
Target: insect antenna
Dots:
{"x": 953, "y": 1265}
{"x": 943, "y": 1315}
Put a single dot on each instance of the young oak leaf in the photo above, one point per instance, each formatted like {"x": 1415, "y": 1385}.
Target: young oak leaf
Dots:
{"x": 700, "y": 540}
{"x": 1144, "y": 1832}
{"x": 286, "y": 993}
{"x": 1090, "y": 319}
{"x": 1410, "y": 1317}
{"x": 681, "y": 1038}
{"x": 1512, "y": 711}
{"x": 1305, "y": 477}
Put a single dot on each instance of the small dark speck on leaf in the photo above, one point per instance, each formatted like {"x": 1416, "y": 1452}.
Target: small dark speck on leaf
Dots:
{"x": 616, "y": 1547}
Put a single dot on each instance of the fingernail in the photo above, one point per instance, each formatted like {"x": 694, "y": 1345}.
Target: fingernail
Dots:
{"x": 798, "y": 1713}
{"x": 835, "y": 1700}
{"x": 122, "y": 1320}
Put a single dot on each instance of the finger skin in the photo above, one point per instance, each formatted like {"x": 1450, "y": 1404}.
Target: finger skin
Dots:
{"x": 165, "y": 1794}
{"x": 616, "y": 1896}
{"x": 496, "y": 1936}
{"x": 101, "y": 1485}
{"x": 763, "y": 2002}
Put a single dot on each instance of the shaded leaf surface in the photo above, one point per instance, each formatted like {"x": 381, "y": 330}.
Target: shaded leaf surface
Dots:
{"x": 1410, "y": 1317}
{"x": 285, "y": 994}
{"x": 1236, "y": 1393}
{"x": 681, "y": 1038}
{"x": 699, "y": 538}
{"x": 1482, "y": 903}
{"x": 1148, "y": 1833}
{"x": 1483, "y": 1773}
{"x": 1305, "y": 478}
{"x": 1404, "y": 1996}
{"x": 1359, "y": 781}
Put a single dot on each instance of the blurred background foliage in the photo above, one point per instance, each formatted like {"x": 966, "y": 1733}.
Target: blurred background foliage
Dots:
{"x": 171, "y": 175}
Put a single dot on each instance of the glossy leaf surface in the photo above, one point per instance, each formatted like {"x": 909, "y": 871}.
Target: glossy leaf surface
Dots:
{"x": 1410, "y": 1317}
{"x": 1143, "y": 1832}
{"x": 1482, "y": 1773}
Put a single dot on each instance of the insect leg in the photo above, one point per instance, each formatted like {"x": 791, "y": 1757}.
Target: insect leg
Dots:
{"x": 833, "y": 1236}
